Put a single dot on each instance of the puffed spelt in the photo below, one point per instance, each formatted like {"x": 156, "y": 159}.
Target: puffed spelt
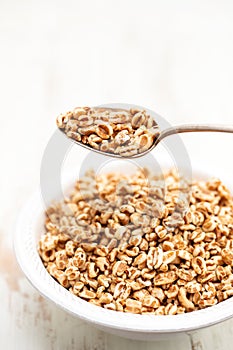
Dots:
{"x": 120, "y": 132}
{"x": 134, "y": 306}
{"x": 127, "y": 243}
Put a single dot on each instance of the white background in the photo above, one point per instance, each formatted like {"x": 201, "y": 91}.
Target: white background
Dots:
{"x": 174, "y": 57}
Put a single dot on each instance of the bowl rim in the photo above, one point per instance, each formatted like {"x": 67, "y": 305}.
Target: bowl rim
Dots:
{"x": 25, "y": 247}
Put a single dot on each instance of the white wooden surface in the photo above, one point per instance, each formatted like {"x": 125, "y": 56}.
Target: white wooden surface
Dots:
{"x": 172, "y": 56}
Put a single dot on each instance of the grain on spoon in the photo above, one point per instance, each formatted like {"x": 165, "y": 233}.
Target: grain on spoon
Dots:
{"x": 115, "y": 131}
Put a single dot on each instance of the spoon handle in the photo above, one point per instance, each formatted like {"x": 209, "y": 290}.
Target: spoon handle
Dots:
{"x": 194, "y": 128}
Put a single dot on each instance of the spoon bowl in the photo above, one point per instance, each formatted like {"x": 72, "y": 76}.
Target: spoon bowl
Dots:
{"x": 132, "y": 138}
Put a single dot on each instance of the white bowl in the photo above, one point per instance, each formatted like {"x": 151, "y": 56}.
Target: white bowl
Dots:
{"x": 144, "y": 327}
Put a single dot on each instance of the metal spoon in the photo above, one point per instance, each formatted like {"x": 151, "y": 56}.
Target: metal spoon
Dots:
{"x": 163, "y": 133}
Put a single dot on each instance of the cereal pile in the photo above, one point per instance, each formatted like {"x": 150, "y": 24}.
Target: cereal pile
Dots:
{"x": 142, "y": 245}
{"x": 122, "y": 132}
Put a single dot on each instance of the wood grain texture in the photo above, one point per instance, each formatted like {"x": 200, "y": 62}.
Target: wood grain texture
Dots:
{"x": 173, "y": 57}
